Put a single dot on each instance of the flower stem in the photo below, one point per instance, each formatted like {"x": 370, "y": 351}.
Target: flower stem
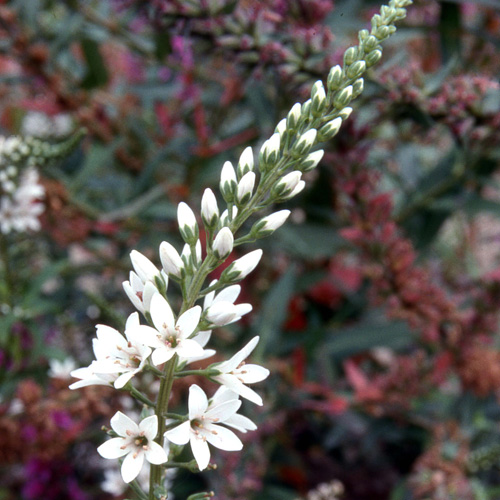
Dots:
{"x": 9, "y": 282}
{"x": 161, "y": 410}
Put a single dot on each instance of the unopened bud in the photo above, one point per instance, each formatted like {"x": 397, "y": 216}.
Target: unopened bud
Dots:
{"x": 358, "y": 87}
{"x": 241, "y": 267}
{"x": 245, "y": 164}
{"x": 187, "y": 223}
{"x": 143, "y": 267}
{"x": 281, "y": 128}
{"x": 171, "y": 260}
{"x": 318, "y": 98}
{"x": 293, "y": 117}
{"x": 356, "y": 69}
{"x": 267, "y": 225}
{"x": 343, "y": 97}
{"x": 269, "y": 152}
{"x": 209, "y": 209}
{"x": 223, "y": 243}
{"x": 345, "y": 113}
{"x": 350, "y": 55}
{"x": 373, "y": 57}
{"x": 245, "y": 188}
{"x": 330, "y": 129}
{"x": 311, "y": 161}
{"x": 286, "y": 184}
{"x": 305, "y": 143}
{"x": 228, "y": 182}
{"x": 334, "y": 81}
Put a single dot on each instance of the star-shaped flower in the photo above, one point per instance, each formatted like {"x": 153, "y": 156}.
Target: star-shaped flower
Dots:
{"x": 134, "y": 441}
{"x": 204, "y": 427}
{"x": 171, "y": 337}
{"x": 234, "y": 373}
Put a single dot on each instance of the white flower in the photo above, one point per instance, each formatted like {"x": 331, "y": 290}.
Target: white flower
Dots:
{"x": 171, "y": 260}
{"x": 117, "y": 354}
{"x": 140, "y": 293}
{"x": 223, "y": 243}
{"x": 144, "y": 268}
{"x": 234, "y": 373}
{"x": 170, "y": 336}
{"x": 209, "y": 208}
{"x": 221, "y": 310}
{"x": 242, "y": 267}
{"x": 236, "y": 421}
{"x": 204, "y": 427}
{"x": 20, "y": 210}
{"x": 88, "y": 376}
{"x": 61, "y": 369}
{"x": 136, "y": 442}
{"x": 245, "y": 187}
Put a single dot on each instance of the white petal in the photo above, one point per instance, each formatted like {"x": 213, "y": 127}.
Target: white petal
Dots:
{"x": 132, "y": 465}
{"x": 123, "y": 379}
{"x": 114, "y": 448}
{"x": 201, "y": 451}
{"x": 198, "y": 402}
{"x": 240, "y": 423}
{"x": 229, "y": 294}
{"x": 132, "y": 321}
{"x": 207, "y": 353}
{"x": 189, "y": 348}
{"x": 150, "y": 427}
{"x": 222, "y": 395}
{"x": 180, "y": 434}
{"x": 155, "y": 454}
{"x": 231, "y": 364}
{"x": 203, "y": 337}
{"x": 120, "y": 423}
{"x": 224, "y": 410}
{"x": 253, "y": 374}
{"x": 235, "y": 385}
{"x": 224, "y": 439}
{"x": 162, "y": 355}
{"x": 161, "y": 313}
{"x": 132, "y": 295}
{"x": 188, "y": 321}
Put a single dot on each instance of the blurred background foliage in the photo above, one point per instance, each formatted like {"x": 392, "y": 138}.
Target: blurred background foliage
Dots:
{"x": 377, "y": 304}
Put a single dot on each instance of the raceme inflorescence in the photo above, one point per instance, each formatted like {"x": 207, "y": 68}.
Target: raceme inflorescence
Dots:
{"x": 167, "y": 341}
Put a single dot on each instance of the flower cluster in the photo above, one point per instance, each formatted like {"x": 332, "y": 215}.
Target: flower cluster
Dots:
{"x": 20, "y": 190}
{"x": 173, "y": 339}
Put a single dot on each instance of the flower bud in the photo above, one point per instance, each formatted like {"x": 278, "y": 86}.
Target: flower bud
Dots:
{"x": 222, "y": 313}
{"x": 269, "y": 152}
{"x": 335, "y": 78}
{"x": 143, "y": 267}
{"x": 330, "y": 129}
{"x": 358, "y": 87}
{"x": 369, "y": 43}
{"x": 373, "y": 57}
{"x": 311, "y": 160}
{"x": 286, "y": 184}
{"x": 356, "y": 69}
{"x": 187, "y": 223}
{"x": 305, "y": 143}
{"x": 245, "y": 188}
{"x": 306, "y": 108}
{"x": 209, "y": 209}
{"x": 293, "y": 118}
{"x": 171, "y": 260}
{"x": 350, "y": 55}
{"x": 241, "y": 267}
{"x": 224, "y": 218}
{"x": 281, "y": 128}
{"x": 318, "y": 98}
{"x": 245, "y": 164}
{"x": 267, "y": 225}
{"x": 223, "y": 243}
{"x": 228, "y": 182}
{"x": 298, "y": 188}
{"x": 343, "y": 97}
{"x": 345, "y": 113}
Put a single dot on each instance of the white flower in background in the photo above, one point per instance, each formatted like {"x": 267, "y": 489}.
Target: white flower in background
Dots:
{"x": 220, "y": 309}
{"x": 236, "y": 421}
{"x": 204, "y": 427}
{"x": 134, "y": 441}
{"x": 43, "y": 126}
{"x": 170, "y": 336}
{"x": 61, "y": 369}
{"x": 118, "y": 354}
{"x": 20, "y": 209}
{"x": 234, "y": 373}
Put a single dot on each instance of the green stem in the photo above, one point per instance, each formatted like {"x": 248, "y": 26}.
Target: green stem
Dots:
{"x": 204, "y": 373}
{"x": 9, "y": 280}
{"x": 141, "y": 397}
{"x": 161, "y": 410}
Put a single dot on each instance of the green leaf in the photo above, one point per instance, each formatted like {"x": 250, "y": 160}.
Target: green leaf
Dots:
{"x": 369, "y": 333}
{"x": 97, "y": 74}
{"x": 274, "y": 312}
